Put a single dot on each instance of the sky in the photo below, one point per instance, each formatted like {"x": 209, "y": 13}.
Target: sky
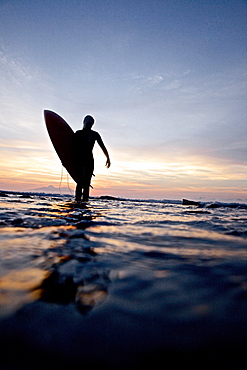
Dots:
{"x": 165, "y": 81}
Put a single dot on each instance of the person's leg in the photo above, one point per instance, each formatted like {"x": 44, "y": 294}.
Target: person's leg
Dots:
{"x": 86, "y": 193}
{"x": 78, "y": 192}
{"x": 87, "y": 179}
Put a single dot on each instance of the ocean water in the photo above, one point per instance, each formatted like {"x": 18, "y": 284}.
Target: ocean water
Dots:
{"x": 121, "y": 283}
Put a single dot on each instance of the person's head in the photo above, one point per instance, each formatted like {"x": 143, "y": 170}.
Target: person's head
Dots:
{"x": 88, "y": 122}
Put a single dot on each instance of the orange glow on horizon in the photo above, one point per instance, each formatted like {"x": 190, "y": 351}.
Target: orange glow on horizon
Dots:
{"x": 28, "y": 168}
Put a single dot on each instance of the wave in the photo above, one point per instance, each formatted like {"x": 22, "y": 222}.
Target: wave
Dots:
{"x": 185, "y": 202}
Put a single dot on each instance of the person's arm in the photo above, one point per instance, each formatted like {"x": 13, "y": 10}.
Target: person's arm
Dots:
{"x": 101, "y": 144}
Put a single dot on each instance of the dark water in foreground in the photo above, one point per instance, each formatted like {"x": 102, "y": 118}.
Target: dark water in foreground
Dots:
{"x": 121, "y": 284}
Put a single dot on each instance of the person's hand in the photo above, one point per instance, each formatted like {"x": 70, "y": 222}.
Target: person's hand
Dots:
{"x": 108, "y": 163}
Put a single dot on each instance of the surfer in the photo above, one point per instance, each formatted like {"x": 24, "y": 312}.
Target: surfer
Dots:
{"x": 84, "y": 141}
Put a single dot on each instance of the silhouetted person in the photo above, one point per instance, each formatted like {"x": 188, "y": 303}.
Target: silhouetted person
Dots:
{"x": 84, "y": 141}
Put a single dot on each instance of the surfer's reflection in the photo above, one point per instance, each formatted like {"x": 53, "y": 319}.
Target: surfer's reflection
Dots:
{"x": 84, "y": 141}
{"x": 76, "y": 276}
{"x": 76, "y": 282}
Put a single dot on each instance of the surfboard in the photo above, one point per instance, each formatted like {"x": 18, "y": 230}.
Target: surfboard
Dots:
{"x": 61, "y": 135}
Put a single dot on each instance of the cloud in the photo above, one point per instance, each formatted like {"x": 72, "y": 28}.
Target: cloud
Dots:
{"x": 160, "y": 81}
{"x": 156, "y": 79}
{"x": 16, "y": 70}
{"x": 24, "y": 91}
{"x": 157, "y": 179}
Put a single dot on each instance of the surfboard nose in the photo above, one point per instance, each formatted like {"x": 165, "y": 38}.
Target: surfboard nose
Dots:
{"x": 50, "y": 116}
{"x": 47, "y": 112}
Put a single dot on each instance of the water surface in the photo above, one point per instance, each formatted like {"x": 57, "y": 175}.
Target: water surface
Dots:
{"x": 120, "y": 282}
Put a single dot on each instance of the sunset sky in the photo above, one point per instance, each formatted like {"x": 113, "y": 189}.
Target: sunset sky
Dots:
{"x": 164, "y": 79}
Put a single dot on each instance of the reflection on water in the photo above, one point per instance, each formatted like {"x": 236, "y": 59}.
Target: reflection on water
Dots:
{"x": 20, "y": 287}
{"x": 72, "y": 281}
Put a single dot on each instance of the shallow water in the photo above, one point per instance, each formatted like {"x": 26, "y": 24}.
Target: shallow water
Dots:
{"x": 120, "y": 282}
